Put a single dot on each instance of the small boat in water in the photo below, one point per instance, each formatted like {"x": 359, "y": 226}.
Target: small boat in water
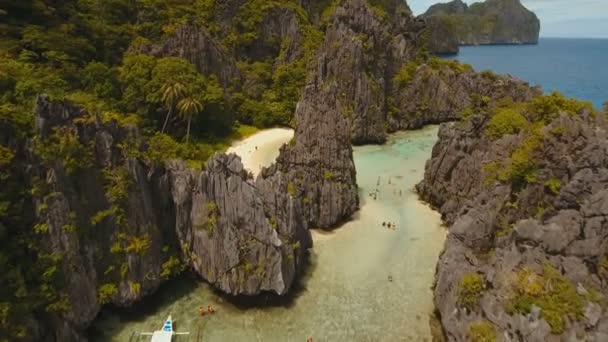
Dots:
{"x": 165, "y": 334}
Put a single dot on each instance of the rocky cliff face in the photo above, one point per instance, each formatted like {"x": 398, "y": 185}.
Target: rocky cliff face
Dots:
{"x": 490, "y": 22}
{"x": 441, "y": 38}
{"x": 344, "y": 101}
{"x": 200, "y": 48}
{"x": 452, "y": 7}
{"x": 319, "y": 159}
{"x": 121, "y": 224}
{"x": 525, "y": 256}
{"x": 372, "y": 70}
{"x": 363, "y": 48}
{"x": 441, "y": 91}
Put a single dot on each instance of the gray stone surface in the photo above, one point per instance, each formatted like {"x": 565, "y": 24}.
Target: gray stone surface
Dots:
{"x": 496, "y": 231}
{"x": 198, "y": 46}
{"x": 440, "y": 94}
{"x": 244, "y": 237}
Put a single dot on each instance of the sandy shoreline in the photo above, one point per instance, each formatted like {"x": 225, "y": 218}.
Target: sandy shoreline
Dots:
{"x": 261, "y": 149}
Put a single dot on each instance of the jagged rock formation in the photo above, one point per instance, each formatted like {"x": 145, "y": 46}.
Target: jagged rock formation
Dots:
{"x": 122, "y": 224}
{"x": 343, "y": 101}
{"x": 319, "y": 163}
{"x": 198, "y": 46}
{"x": 443, "y": 8}
{"x": 374, "y": 71}
{"x": 490, "y": 22}
{"x": 525, "y": 256}
{"x": 442, "y": 91}
{"x": 363, "y": 49}
{"x": 441, "y": 38}
{"x": 123, "y": 221}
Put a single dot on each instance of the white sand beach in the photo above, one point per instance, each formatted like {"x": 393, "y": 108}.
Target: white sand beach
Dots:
{"x": 261, "y": 149}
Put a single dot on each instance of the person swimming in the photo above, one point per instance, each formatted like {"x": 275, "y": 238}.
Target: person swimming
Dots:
{"x": 201, "y": 311}
{"x": 210, "y": 309}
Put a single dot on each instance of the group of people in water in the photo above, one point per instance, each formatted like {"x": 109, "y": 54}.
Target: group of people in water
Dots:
{"x": 201, "y": 310}
{"x": 374, "y": 194}
{"x": 389, "y": 225}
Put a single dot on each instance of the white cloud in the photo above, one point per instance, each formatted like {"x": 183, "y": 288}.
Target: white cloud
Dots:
{"x": 559, "y": 18}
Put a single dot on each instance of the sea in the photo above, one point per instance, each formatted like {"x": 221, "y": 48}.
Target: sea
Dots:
{"x": 576, "y": 67}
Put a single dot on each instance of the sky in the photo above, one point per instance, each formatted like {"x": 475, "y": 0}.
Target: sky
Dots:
{"x": 558, "y": 18}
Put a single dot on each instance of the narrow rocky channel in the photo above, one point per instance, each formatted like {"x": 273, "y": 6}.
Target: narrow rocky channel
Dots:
{"x": 364, "y": 281}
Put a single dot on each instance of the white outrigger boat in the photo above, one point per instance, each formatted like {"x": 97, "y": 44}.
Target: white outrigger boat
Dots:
{"x": 165, "y": 334}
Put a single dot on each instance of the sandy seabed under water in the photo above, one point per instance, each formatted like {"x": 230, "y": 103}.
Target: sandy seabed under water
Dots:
{"x": 345, "y": 292}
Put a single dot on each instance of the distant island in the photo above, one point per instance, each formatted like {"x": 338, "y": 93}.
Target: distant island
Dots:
{"x": 484, "y": 23}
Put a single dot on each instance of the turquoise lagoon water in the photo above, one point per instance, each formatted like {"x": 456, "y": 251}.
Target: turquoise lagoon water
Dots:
{"x": 346, "y": 294}
{"x": 575, "y": 67}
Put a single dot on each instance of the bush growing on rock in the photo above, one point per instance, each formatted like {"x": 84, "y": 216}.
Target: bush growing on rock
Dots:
{"x": 555, "y": 295}
{"x": 437, "y": 63}
{"x": 63, "y": 146}
{"x": 171, "y": 267}
{"x": 554, "y": 185}
{"x": 406, "y": 73}
{"x": 291, "y": 189}
{"x": 545, "y": 108}
{"x": 328, "y": 175}
{"x": 481, "y": 332}
{"x": 470, "y": 290}
{"x": 505, "y": 121}
{"x": 489, "y": 74}
{"x": 521, "y": 167}
{"x": 106, "y": 292}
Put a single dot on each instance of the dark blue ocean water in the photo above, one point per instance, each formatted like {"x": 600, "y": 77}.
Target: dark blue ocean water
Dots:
{"x": 576, "y": 67}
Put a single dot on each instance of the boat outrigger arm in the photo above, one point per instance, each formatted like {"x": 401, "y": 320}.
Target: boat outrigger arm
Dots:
{"x": 165, "y": 334}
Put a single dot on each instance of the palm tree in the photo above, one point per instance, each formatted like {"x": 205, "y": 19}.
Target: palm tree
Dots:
{"x": 172, "y": 93}
{"x": 187, "y": 108}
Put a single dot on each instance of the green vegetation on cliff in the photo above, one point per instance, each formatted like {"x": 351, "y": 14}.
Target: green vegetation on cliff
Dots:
{"x": 481, "y": 332}
{"x": 508, "y": 117}
{"x": 470, "y": 290}
{"x": 88, "y": 51}
{"x": 552, "y": 293}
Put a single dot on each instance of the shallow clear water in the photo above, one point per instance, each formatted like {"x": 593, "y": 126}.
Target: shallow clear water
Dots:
{"x": 574, "y": 66}
{"x": 346, "y": 293}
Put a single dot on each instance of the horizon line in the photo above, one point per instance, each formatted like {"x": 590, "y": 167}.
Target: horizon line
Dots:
{"x": 573, "y": 37}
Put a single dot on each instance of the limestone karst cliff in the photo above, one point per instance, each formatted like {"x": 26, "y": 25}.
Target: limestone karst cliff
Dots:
{"x": 121, "y": 222}
{"x": 442, "y": 90}
{"x": 491, "y": 22}
{"x": 117, "y": 219}
{"x": 523, "y": 188}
